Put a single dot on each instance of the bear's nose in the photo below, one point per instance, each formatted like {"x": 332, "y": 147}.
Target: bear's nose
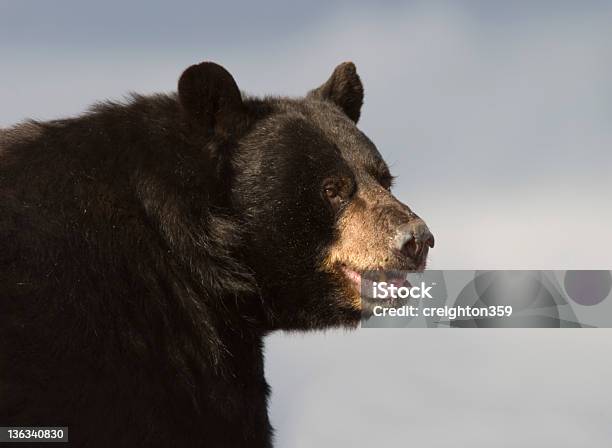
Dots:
{"x": 414, "y": 240}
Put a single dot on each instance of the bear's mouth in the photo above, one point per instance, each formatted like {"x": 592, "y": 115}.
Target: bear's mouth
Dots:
{"x": 361, "y": 287}
{"x": 355, "y": 278}
{"x": 358, "y": 281}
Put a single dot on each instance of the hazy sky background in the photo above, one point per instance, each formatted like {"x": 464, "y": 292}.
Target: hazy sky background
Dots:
{"x": 497, "y": 119}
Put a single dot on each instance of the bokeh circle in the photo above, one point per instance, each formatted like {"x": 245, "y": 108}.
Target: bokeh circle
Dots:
{"x": 588, "y": 287}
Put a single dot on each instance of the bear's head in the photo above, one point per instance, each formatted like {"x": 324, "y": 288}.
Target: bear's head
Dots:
{"x": 311, "y": 191}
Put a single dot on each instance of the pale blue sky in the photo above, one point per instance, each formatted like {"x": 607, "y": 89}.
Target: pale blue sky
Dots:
{"x": 497, "y": 119}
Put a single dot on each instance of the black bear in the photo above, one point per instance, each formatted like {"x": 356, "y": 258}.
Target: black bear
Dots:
{"x": 147, "y": 247}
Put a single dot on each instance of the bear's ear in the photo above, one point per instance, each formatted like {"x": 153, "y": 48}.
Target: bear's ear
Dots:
{"x": 210, "y": 97}
{"x": 343, "y": 88}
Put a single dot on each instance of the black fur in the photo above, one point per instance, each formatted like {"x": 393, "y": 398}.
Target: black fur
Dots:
{"x": 148, "y": 247}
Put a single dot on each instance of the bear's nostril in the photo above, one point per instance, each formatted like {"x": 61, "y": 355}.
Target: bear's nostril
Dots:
{"x": 431, "y": 241}
{"x": 411, "y": 248}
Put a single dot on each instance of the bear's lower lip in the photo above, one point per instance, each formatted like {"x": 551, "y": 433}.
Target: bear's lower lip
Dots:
{"x": 356, "y": 279}
{"x": 353, "y": 276}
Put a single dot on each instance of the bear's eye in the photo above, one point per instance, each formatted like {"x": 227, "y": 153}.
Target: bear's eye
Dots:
{"x": 331, "y": 191}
